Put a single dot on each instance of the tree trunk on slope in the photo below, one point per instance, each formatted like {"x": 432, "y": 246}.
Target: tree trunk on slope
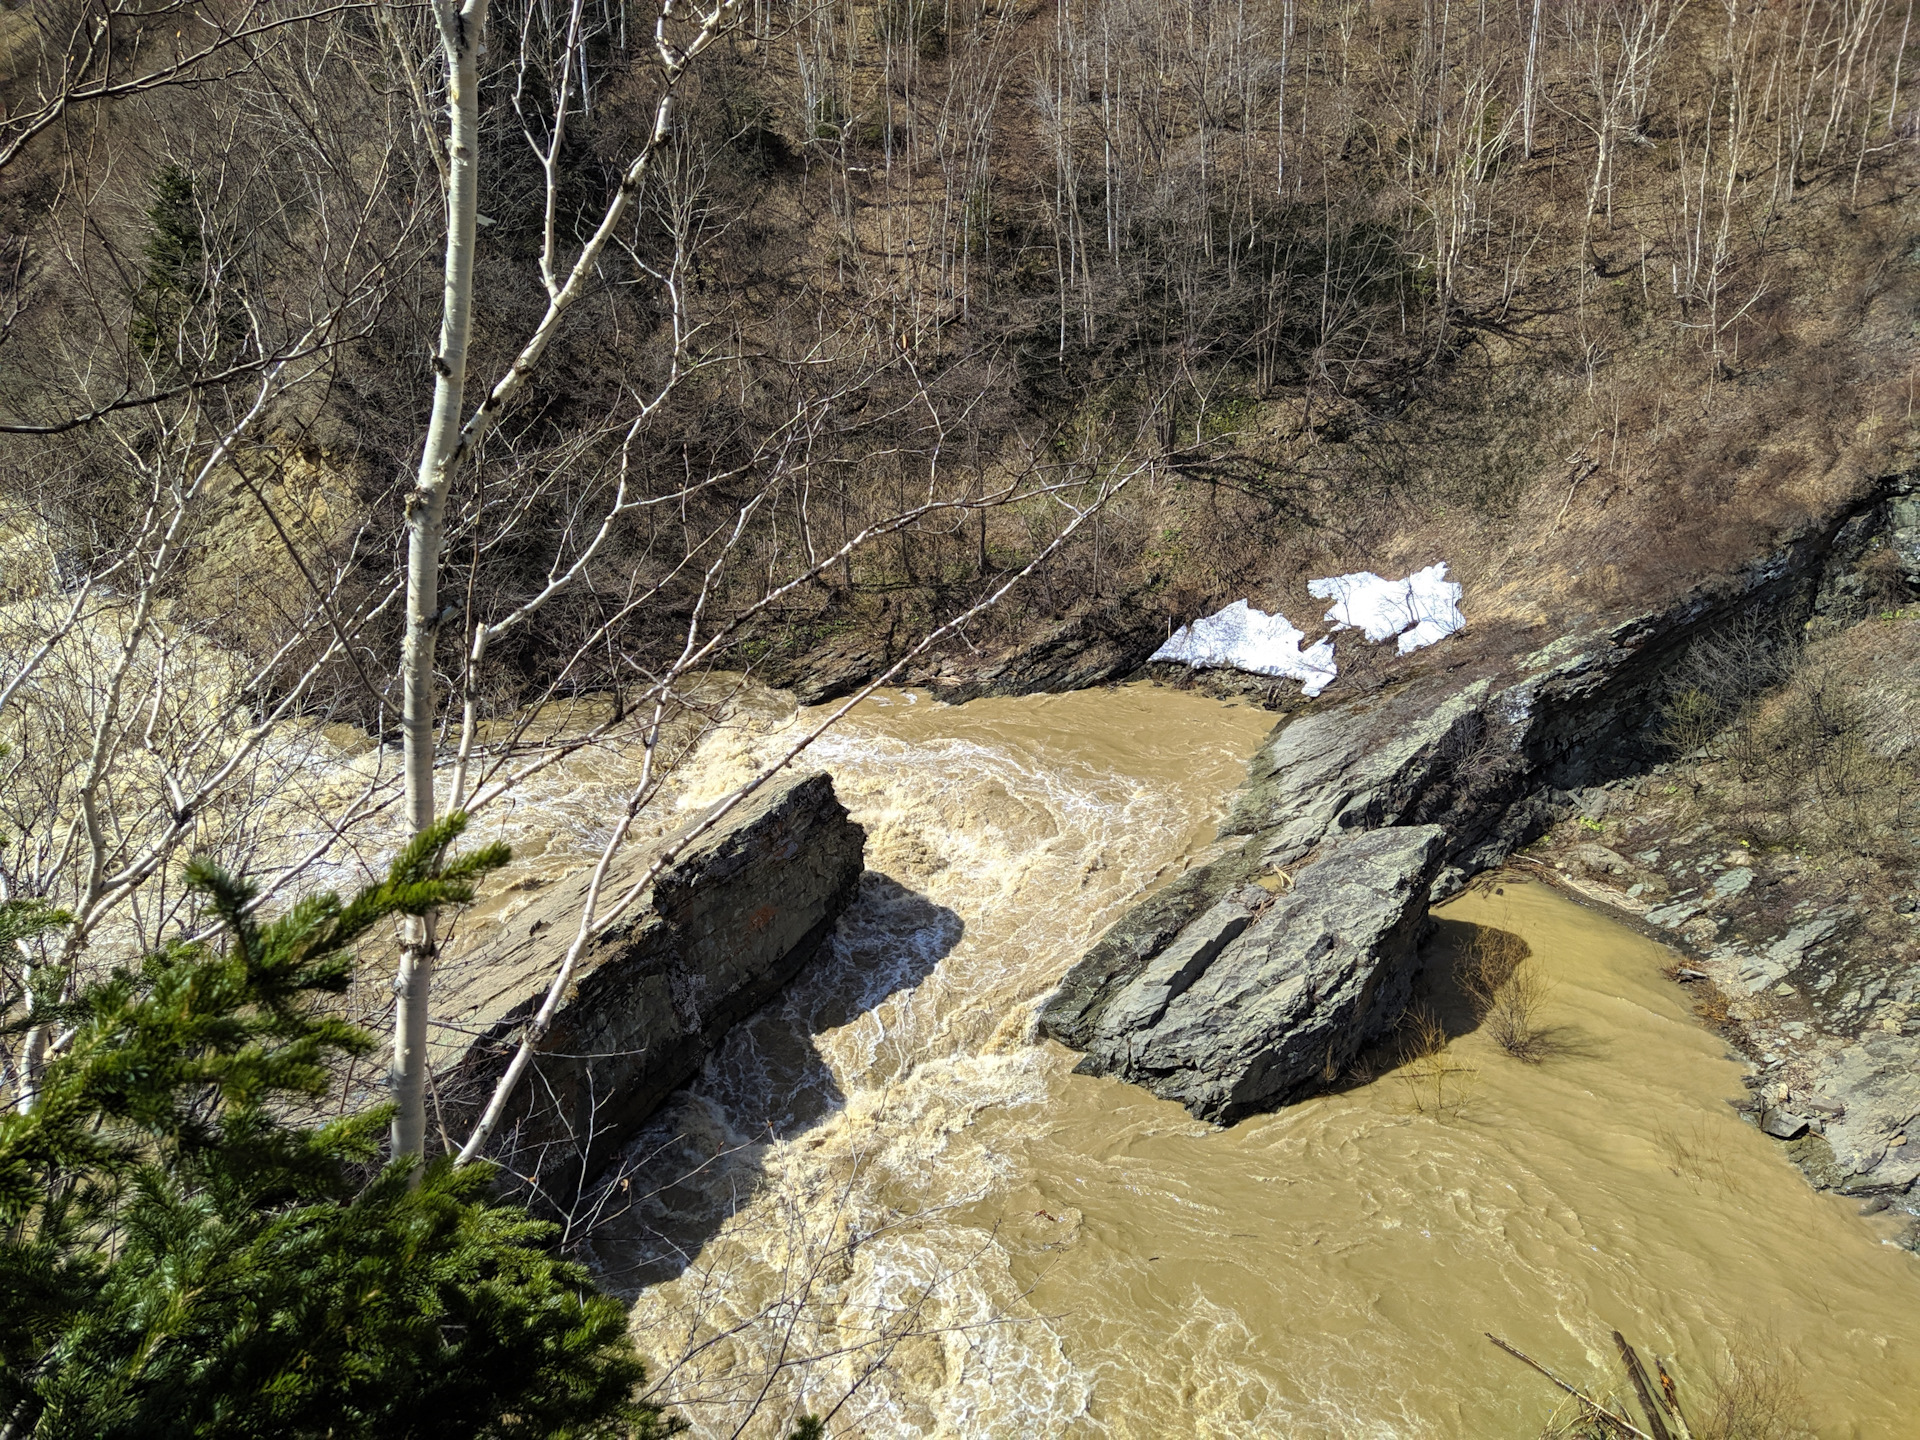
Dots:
{"x": 462, "y": 28}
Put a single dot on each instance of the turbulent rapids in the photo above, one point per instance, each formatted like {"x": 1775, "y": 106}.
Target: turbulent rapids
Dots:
{"x": 885, "y": 1200}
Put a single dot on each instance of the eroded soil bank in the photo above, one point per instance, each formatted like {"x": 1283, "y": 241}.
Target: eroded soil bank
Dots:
{"x": 888, "y": 1173}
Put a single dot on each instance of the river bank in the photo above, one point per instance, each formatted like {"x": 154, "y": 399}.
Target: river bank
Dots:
{"x": 1505, "y": 748}
{"x": 882, "y": 1185}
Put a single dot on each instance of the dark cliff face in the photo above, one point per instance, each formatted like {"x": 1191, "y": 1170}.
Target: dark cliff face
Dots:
{"x": 719, "y": 934}
{"x": 1482, "y": 763}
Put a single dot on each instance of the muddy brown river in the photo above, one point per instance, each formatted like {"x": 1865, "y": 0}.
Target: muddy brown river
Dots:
{"x": 887, "y": 1203}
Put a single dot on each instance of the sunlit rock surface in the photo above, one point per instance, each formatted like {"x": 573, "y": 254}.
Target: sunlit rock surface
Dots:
{"x": 719, "y": 933}
{"x": 1269, "y": 993}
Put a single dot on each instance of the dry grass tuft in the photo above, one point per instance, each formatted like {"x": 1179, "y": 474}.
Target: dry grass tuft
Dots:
{"x": 1711, "y": 1004}
{"x": 1508, "y": 990}
{"x": 1437, "y": 1084}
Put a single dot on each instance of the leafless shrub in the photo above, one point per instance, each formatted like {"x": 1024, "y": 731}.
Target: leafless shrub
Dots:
{"x": 1689, "y": 719}
{"x": 1513, "y": 1020}
{"x": 1437, "y": 1084}
{"x": 1507, "y": 989}
{"x": 1755, "y": 1395}
{"x": 1490, "y": 960}
{"x": 1818, "y": 738}
{"x": 1697, "y": 1152}
{"x": 1722, "y": 674}
{"x": 1826, "y": 757}
{"x": 1476, "y": 757}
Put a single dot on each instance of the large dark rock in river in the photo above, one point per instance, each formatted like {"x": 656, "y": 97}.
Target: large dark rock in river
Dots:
{"x": 1263, "y": 996}
{"x": 719, "y": 934}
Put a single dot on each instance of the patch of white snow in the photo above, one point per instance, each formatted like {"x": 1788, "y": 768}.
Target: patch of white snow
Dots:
{"x": 1420, "y": 609}
{"x": 1243, "y": 638}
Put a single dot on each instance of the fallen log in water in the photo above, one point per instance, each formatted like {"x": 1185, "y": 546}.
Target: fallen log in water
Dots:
{"x": 1619, "y": 1422}
{"x": 1662, "y": 1407}
{"x": 1638, "y": 1375}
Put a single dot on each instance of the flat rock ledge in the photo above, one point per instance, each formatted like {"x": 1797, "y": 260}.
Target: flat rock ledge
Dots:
{"x": 1266, "y": 994}
{"x": 719, "y": 934}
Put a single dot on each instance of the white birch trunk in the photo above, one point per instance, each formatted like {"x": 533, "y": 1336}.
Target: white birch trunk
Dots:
{"x": 462, "y": 29}
{"x": 1527, "y": 84}
{"x": 33, "y": 1065}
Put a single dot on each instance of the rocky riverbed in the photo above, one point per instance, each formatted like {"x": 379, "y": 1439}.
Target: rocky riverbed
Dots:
{"x": 1812, "y": 969}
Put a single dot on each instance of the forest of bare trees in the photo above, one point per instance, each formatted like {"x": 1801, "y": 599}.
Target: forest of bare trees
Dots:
{"x": 760, "y": 324}
{"x": 454, "y": 386}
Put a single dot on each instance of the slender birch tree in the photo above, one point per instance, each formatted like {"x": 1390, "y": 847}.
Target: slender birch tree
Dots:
{"x": 453, "y": 432}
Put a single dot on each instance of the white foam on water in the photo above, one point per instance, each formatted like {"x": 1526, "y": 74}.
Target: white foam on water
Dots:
{"x": 850, "y": 1243}
{"x": 901, "y": 1082}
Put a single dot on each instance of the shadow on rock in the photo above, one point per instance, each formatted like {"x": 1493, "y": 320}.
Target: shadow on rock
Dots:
{"x": 702, "y": 1157}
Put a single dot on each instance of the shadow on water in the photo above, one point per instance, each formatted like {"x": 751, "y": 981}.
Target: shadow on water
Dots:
{"x": 1441, "y": 987}
{"x": 1444, "y": 988}
{"x": 1445, "y": 1007}
{"x": 701, "y": 1158}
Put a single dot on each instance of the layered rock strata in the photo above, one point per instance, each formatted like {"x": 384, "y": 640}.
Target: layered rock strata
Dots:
{"x": 718, "y": 934}
{"x": 1267, "y": 993}
{"x": 1492, "y": 759}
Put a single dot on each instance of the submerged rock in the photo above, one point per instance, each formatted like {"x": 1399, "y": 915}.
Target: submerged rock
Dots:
{"x": 719, "y": 933}
{"x": 1264, "y": 996}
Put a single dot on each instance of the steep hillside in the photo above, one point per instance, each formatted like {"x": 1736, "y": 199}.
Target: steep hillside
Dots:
{"x": 1591, "y": 303}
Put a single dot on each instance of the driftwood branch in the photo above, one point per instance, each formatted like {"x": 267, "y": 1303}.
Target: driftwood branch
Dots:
{"x": 1638, "y": 1375}
{"x": 1624, "y": 1427}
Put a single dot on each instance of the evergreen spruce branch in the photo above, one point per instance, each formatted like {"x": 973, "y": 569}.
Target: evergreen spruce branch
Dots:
{"x": 182, "y": 1256}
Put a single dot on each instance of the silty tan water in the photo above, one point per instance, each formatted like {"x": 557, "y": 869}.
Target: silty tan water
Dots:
{"x": 886, "y": 1203}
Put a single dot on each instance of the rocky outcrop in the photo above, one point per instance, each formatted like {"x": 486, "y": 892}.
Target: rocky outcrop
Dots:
{"x": 1484, "y": 762}
{"x": 1875, "y": 1134}
{"x": 1266, "y": 994}
{"x": 1874, "y": 558}
{"x": 719, "y": 934}
{"x": 1091, "y": 645}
